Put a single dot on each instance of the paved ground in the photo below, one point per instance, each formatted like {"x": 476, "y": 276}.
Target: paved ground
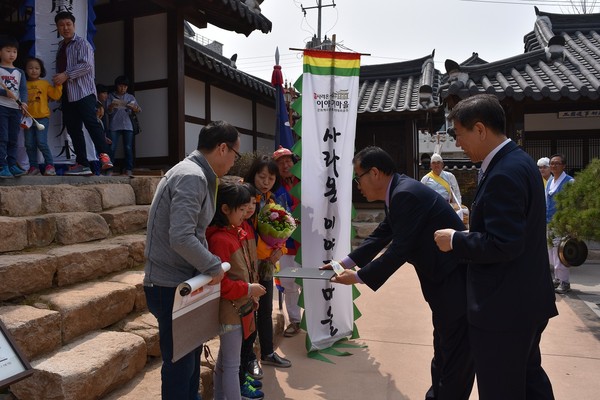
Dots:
{"x": 395, "y": 327}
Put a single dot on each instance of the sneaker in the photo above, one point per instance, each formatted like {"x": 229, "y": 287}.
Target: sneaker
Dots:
{"x": 105, "y": 160}
{"x": 16, "y": 171}
{"x": 563, "y": 288}
{"x": 248, "y": 392}
{"x": 33, "y": 171}
{"x": 5, "y": 173}
{"x": 50, "y": 170}
{"x": 78, "y": 170}
{"x": 556, "y": 282}
{"x": 255, "y": 383}
{"x": 128, "y": 172}
{"x": 292, "y": 330}
{"x": 276, "y": 360}
{"x": 254, "y": 369}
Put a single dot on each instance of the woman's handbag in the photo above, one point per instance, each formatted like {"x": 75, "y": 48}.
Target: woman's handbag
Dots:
{"x": 247, "y": 317}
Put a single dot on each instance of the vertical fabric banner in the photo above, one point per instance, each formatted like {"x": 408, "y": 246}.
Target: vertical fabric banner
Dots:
{"x": 42, "y": 29}
{"x": 329, "y": 107}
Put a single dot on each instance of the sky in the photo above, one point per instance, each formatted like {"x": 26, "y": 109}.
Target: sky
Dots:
{"x": 389, "y": 30}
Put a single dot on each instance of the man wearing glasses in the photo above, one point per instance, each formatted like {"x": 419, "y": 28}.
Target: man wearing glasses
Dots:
{"x": 176, "y": 246}
{"x": 413, "y": 213}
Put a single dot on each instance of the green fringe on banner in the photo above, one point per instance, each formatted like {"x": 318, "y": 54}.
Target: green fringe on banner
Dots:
{"x": 355, "y": 334}
{"x": 355, "y": 293}
{"x": 297, "y": 148}
{"x": 316, "y": 355}
{"x": 357, "y": 314}
{"x": 344, "y": 343}
{"x": 297, "y": 171}
{"x": 298, "y": 83}
{"x": 334, "y": 352}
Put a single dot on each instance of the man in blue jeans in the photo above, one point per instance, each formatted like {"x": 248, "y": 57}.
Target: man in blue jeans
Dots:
{"x": 176, "y": 246}
{"x": 75, "y": 71}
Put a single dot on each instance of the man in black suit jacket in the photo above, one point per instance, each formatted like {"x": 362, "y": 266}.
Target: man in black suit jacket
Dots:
{"x": 510, "y": 295}
{"x": 413, "y": 213}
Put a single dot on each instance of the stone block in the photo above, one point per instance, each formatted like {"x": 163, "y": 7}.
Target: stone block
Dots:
{"x": 116, "y": 195}
{"x": 24, "y": 274}
{"x": 364, "y": 229}
{"x": 81, "y": 262}
{"x": 135, "y": 243}
{"x": 13, "y": 204}
{"x": 144, "y": 188}
{"x": 91, "y": 306}
{"x": 13, "y": 234}
{"x": 146, "y": 326}
{"x": 67, "y": 198}
{"x": 134, "y": 278}
{"x": 79, "y": 227}
{"x": 126, "y": 219}
{"x": 35, "y": 331}
{"x": 41, "y": 230}
{"x": 86, "y": 369}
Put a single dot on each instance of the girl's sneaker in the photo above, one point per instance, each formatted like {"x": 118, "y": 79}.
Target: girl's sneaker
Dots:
{"x": 33, "y": 171}
{"x": 16, "y": 171}
{"x": 249, "y": 393}
{"x": 50, "y": 170}
{"x": 5, "y": 173}
{"x": 255, "y": 383}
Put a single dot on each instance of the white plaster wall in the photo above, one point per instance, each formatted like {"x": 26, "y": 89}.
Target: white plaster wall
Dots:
{"x": 265, "y": 119}
{"x": 195, "y": 97}
{"x": 551, "y": 122}
{"x": 191, "y": 137}
{"x": 231, "y": 108}
{"x": 153, "y": 141}
{"x": 150, "y": 47}
{"x": 110, "y": 52}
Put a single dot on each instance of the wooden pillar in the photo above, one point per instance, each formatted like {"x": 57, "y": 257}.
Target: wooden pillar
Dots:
{"x": 176, "y": 91}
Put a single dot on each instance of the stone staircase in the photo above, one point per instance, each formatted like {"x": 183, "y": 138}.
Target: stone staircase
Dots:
{"x": 71, "y": 294}
{"x": 365, "y": 221}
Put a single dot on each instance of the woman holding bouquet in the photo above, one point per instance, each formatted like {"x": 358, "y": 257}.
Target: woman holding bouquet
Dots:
{"x": 226, "y": 240}
{"x": 264, "y": 175}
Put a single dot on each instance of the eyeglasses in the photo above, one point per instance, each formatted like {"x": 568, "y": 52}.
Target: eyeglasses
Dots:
{"x": 556, "y": 163}
{"x": 238, "y": 156}
{"x": 357, "y": 179}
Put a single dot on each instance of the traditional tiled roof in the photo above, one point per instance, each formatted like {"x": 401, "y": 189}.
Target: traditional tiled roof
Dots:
{"x": 206, "y": 59}
{"x": 562, "y": 60}
{"x": 232, "y": 15}
{"x": 397, "y": 87}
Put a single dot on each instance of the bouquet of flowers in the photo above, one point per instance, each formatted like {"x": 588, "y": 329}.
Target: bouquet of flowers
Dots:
{"x": 275, "y": 225}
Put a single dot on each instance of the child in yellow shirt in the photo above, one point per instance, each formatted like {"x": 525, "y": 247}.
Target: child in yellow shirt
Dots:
{"x": 39, "y": 91}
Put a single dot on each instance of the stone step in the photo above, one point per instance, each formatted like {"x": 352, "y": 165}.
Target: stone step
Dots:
{"x": 29, "y": 273}
{"x": 364, "y": 229}
{"x": 19, "y": 233}
{"x": 90, "y": 306}
{"x": 126, "y": 219}
{"x": 36, "y": 331}
{"x": 88, "y": 368}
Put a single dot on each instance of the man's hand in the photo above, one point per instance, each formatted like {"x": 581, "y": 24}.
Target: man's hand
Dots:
{"x": 443, "y": 239}
{"x": 217, "y": 278}
{"x": 59, "y": 79}
{"x": 348, "y": 277}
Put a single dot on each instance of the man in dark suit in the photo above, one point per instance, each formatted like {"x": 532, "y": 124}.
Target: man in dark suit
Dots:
{"x": 413, "y": 213}
{"x": 510, "y": 295}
